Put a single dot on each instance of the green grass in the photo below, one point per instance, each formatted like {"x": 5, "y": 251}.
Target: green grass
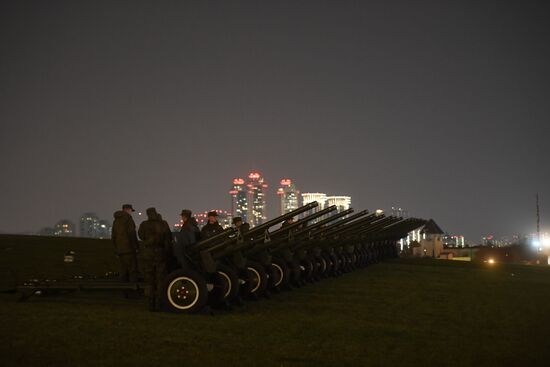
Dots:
{"x": 403, "y": 312}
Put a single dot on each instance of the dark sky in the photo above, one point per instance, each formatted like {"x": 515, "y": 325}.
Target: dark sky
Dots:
{"x": 440, "y": 107}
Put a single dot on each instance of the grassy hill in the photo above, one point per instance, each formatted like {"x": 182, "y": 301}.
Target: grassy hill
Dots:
{"x": 403, "y": 312}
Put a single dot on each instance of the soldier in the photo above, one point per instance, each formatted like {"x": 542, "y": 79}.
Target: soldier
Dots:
{"x": 169, "y": 240}
{"x": 212, "y": 227}
{"x": 195, "y": 226}
{"x": 185, "y": 238}
{"x": 168, "y": 233}
{"x": 126, "y": 244}
{"x": 240, "y": 225}
{"x": 154, "y": 239}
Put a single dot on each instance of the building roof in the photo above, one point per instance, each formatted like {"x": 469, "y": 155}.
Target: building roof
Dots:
{"x": 431, "y": 227}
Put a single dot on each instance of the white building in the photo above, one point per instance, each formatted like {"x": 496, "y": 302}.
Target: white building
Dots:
{"x": 426, "y": 241}
{"x": 341, "y": 202}
{"x": 309, "y": 197}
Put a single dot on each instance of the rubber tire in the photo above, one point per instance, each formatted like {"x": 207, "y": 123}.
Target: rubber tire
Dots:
{"x": 257, "y": 272}
{"x": 226, "y": 285}
{"x": 279, "y": 266}
{"x": 322, "y": 266}
{"x": 195, "y": 279}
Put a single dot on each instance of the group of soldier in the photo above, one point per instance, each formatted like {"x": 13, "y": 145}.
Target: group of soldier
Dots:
{"x": 160, "y": 249}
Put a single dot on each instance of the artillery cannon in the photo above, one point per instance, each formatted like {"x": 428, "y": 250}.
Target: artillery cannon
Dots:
{"x": 219, "y": 259}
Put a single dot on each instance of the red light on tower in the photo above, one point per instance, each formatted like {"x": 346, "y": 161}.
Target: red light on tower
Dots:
{"x": 254, "y": 176}
{"x": 280, "y": 192}
{"x": 233, "y": 192}
{"x": 238, "y": 181}
{"x": 286, "y": 182}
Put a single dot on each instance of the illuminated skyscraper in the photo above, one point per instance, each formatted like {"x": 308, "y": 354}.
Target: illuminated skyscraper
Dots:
{"x": 89, "y": 225}
{"x": 257, "y": 188}
{"x": 289, "y": 196}
{"x": 239, "y": 200}
{"x": 309, "y": 197}
{"x": 342, "y": 202}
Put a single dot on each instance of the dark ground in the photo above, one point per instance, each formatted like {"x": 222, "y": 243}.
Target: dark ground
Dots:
{"x": 398, "y": 313}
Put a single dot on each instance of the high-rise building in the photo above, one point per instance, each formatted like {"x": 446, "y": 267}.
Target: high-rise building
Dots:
{"x": 289, "y": 196}
{"x": 309, "y": 197}
{"x": 257, "y": 187}
{"x": 239, "y": 200}
{"x": 64, "y": 228}
{"x": 89, "y": 225}
{"x": 342, "y": 202}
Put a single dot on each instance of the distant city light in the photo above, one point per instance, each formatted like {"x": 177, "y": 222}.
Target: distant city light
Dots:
{"x": 491, "y": 261}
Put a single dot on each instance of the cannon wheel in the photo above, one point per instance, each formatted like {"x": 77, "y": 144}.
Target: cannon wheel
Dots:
{"x": 256, "y": 279}
{"x": 329, "y": 265}
{"x": 281, "y": 273}
{"x": 183, "y": 291}
{"x": 226, "y": 284}
{"x": 322, "y": 265}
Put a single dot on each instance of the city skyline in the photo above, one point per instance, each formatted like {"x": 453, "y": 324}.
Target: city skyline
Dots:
{"x": 60, "y": 228}
{"x": 100, "y": 227}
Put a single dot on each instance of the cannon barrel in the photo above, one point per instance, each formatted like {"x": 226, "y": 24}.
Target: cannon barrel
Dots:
{"x": 322, "y": 231}
{"x": 258, "y": 245}
{"x": 262, "y": 228}
{"x": 279, "y": 243}
{"x": 332, "y": 218}
{"x": 352, "y": 225}
{"x": 374, "y": 225}
{"x": 204, "y": 244}
{"x": 377, "y": 226}
{"x": 399, "y": 229}
{"x": 297, "y": 244}
{"x": 287, "y": 229}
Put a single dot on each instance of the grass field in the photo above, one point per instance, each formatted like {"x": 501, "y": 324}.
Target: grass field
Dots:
{"x": 397, "y": 313}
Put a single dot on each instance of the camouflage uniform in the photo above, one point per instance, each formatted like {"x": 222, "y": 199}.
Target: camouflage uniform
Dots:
{"x": 125, "y": 241}
{"x": 154, "y": 237}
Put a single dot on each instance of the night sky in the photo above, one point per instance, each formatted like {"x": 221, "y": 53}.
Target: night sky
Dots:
{"x": 439, "y": 107}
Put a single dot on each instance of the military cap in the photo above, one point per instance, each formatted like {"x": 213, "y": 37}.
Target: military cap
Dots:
{"x": 186, "y": 213}
{"x": 128, "y": 206}
{"x": 237, "y": 219}
{"x": 151, "y": 212}
{"x": 212, "y": 213}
